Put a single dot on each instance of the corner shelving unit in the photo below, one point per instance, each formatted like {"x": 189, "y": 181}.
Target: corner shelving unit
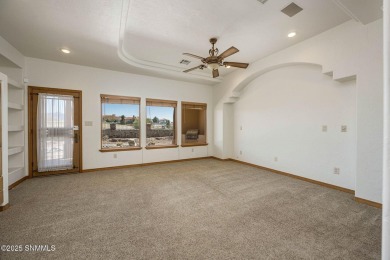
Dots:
{"x": 4, "y": 141}
{"x": 13, "y": 118}
{"x": 16, "y": 134}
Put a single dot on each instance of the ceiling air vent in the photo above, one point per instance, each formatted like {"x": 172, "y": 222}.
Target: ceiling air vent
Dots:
{"x": 185, "y": 62}
{"x": 262, "y": 1}
{"x": 292, "y": 9}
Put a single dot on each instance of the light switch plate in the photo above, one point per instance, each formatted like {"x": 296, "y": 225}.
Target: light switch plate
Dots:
{"x": 343, "y": 128}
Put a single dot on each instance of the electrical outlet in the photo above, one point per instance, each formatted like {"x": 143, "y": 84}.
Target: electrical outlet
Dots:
{"x": 343, "y": 128}
{"x": 88, "y": 123}
{"x": 336, "y": 171}
{"x": 192, "y": 149}
{"x": 115, "y": 155}
{"x": 240, "y": 152}
{"x": 324, "y": 128}
{"x": 275, "y": 159}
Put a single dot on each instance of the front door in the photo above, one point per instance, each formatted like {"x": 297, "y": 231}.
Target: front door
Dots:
{"x": 55, "y": 129}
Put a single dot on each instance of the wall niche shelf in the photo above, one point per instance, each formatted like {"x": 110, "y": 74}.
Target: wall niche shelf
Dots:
{"x": 13, "y": 84}
{"x": 15, "y": 128}
{"x": 16, "y": 132}
{"x": 193, "y": 124}
{"x": 15, "y": 106}
{"x": 13, "y": 134}
{"x": 15, "y": 170}
{"x": 15, "y": 150}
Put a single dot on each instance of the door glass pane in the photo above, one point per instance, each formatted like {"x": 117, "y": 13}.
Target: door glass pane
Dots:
{"x": 55, "y": 137}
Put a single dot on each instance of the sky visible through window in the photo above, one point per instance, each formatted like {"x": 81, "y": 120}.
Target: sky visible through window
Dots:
{"x": 121, "y": 109}
{"x": 160, "y": 112}
{"x": 130, "y": 110}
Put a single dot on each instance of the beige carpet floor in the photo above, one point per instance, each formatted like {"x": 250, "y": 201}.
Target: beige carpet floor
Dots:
{"x": 204, "y": 209}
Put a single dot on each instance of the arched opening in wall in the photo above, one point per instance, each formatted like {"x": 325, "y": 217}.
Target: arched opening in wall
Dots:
{"x": 296, "y": 119}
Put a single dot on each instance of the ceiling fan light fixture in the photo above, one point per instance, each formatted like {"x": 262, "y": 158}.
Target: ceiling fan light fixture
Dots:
{"x": 215, "y": 60}
{"x": 213, "y": 66}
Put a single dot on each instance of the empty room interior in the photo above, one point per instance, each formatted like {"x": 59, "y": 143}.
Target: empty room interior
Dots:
{"x": 197, "y": 129}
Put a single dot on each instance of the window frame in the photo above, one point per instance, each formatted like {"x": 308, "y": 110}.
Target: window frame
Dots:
{"x": 169, "y": 103}
{"x": 107, "y": 150}
{"x": 194, "y": 104}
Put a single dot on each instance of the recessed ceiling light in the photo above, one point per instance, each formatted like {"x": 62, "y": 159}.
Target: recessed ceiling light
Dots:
{"x": 65, "y": 50}
{"x": 291, "y": 34}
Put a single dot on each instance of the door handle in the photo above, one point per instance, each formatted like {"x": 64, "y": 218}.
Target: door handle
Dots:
{"x": 76, "y": 138}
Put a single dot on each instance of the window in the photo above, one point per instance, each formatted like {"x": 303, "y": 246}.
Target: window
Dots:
{"x": 193, "y": 124}
{"x": 120, "y": 123}
{"x": 160, "y": 123}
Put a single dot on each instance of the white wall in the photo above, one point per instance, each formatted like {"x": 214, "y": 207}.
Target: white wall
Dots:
{"x": 346, "y": 51}
{"x": 281, "y": 114}
{"x": 228, "y": 130}
{"x": 94, "y": 82}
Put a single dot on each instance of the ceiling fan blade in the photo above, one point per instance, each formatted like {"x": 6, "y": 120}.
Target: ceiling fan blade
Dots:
{"x": 193, "y": 56}
{"x": 228, "y": 52}
{"x": 215, "y": 73}
{"x": 197, "y": 67}
{"x": 236, "y": 64}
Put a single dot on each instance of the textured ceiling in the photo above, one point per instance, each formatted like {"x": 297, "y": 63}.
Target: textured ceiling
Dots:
{"x": 255, "y": 29}
{"x": 149, "y": 37}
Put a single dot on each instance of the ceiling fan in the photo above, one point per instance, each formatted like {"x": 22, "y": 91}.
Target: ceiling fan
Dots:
{"x": 214, "y": 61}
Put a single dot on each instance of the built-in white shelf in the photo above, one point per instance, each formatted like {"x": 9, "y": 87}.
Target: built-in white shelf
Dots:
{"x": 13, "y": 84}
{"x": 15, "y": 150}
{"x": 15, "y": 170}
{"x": 16, "y": 135}
{"x": 15, "y": 106}
{"x": 15, "y": 128}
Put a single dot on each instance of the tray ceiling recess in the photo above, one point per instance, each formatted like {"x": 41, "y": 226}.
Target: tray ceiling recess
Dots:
{"x": 149, "y": 37}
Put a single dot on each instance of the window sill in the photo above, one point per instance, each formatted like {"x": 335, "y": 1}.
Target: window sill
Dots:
{"x": 189, "y": 145}
{"x": 119, "y": 149}
{"x": 160, "y": 147}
